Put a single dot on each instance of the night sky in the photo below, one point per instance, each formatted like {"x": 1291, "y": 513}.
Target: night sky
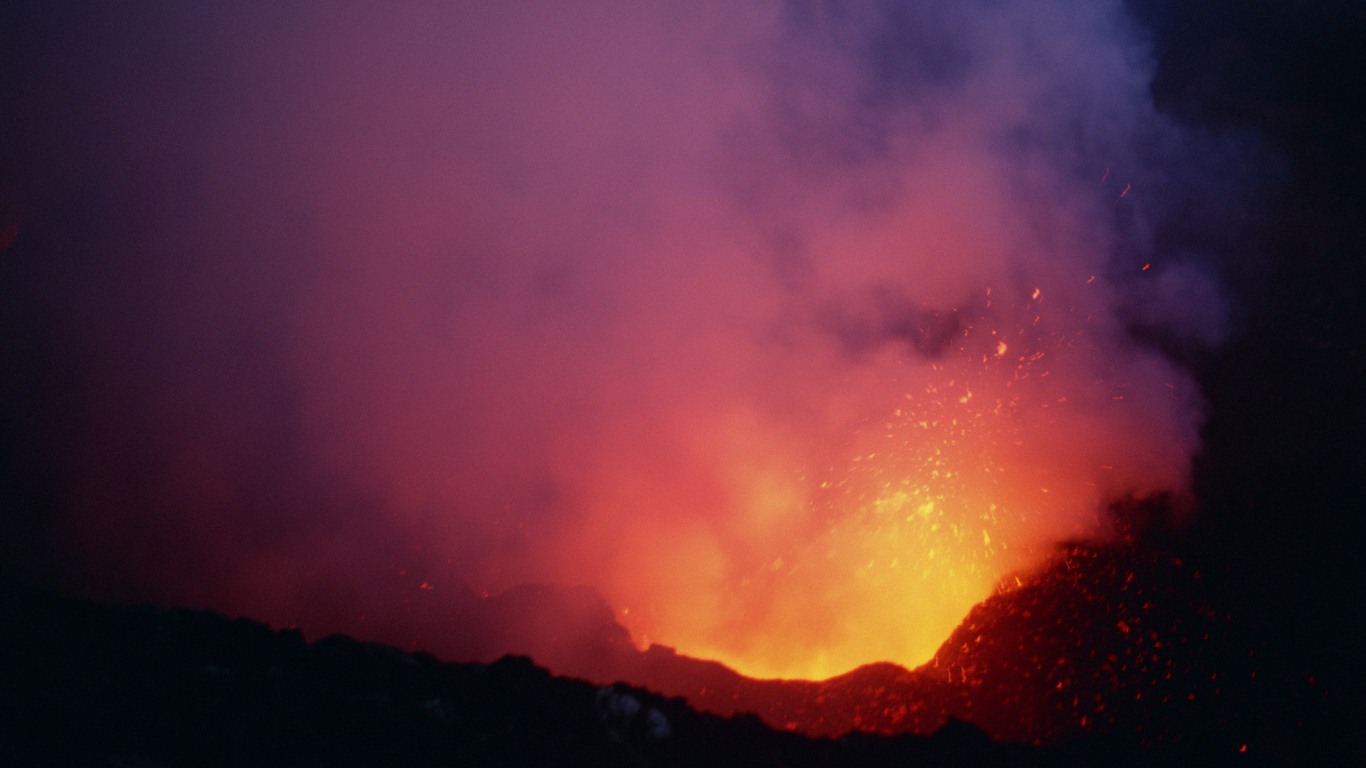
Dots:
{"x": 754, "y": 318}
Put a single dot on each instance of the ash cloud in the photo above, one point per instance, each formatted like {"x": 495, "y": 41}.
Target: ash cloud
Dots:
{"x": 599, "y": 294}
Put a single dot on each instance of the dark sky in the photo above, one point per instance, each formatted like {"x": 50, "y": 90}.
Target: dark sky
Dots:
{"x": 738, "y": 314}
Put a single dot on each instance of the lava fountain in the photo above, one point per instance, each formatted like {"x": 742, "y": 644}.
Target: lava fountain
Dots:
{"x": 984, "y": 457}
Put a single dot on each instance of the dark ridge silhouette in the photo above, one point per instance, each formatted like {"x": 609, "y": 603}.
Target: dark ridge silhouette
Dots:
{"x": 1121, "y": 640}
{"x": 1139, "y": 639}
{"x": 100, "y": 685}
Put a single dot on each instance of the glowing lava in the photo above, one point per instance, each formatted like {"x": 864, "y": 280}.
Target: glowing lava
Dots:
{"x": 978, "y": 466}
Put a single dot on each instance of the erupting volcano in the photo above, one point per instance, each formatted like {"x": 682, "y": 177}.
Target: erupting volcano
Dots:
{"x": 791, "y": 332}
{"x": 988, "y": 457}
{"x": 784, "y": 335}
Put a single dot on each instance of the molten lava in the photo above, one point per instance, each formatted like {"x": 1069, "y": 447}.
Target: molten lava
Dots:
{"x": 985, "y": 456}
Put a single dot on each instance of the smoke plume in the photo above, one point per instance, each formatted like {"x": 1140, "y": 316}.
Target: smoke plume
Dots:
{"x": 790, "y": 328}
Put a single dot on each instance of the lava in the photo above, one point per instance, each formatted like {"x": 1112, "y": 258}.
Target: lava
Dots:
{"x": 968, "y": 479}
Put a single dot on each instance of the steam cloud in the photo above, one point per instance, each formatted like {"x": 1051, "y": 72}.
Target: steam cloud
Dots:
{"x": 668, "y": 302}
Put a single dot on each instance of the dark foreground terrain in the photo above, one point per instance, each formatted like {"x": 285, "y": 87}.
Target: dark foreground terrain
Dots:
{"x": 97, "y": 685}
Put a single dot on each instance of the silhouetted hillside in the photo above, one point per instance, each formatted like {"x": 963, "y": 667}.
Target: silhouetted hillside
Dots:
{"x": 98, "y": 685}
{"x": 1124, "y": 640}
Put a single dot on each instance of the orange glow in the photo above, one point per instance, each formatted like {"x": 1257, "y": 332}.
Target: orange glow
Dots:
{"x": 880, "y": 556}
